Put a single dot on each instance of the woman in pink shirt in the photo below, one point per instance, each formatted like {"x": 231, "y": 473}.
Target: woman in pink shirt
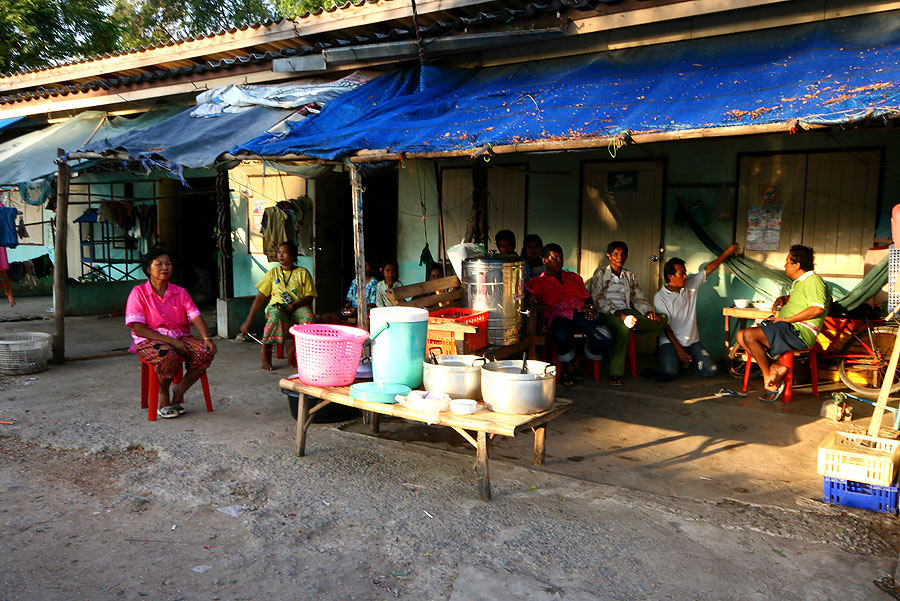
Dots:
{"x": 160, "y": 315}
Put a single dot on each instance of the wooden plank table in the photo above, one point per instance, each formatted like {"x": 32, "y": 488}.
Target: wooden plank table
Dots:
{"x": 742, "y": 315}
{"x": 483, "y": 422}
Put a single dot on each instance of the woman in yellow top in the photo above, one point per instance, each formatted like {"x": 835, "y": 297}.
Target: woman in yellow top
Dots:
{"x": 290, "y": 291}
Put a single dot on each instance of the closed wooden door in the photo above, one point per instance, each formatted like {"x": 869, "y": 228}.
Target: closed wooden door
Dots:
{"x": 507, "y": 204}
{"x": 623, "y": 201}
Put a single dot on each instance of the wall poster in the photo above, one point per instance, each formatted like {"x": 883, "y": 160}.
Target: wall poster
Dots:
{"x": 764, "y": 228}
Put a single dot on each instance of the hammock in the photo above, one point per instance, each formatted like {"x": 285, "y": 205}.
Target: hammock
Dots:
{"x": 753, "y": 273}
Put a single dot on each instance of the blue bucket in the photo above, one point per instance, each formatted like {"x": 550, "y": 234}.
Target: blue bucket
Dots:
{"x": 398, "y": 344}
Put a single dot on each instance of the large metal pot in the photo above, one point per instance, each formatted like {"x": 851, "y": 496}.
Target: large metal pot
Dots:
{"x": 456, "y": 375}
{"x": 496, "y": 283}
{"x": 507, "y": 390}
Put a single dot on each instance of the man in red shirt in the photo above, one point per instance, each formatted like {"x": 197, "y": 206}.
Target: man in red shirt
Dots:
{"x": 569, "y": 310}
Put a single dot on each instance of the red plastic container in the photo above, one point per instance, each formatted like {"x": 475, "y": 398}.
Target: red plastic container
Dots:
{"x": 469, "y": 317}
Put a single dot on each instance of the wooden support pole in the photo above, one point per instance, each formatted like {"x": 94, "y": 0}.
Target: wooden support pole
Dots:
{"x": 885, "y": 392}
{"x": 60, "y": 267}
{"x": 359, "y": 249}
{"x": 442, "y": 240}
{"x": 481, "y": 468}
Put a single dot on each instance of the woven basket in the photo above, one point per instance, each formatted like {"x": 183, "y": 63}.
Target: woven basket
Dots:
{"x": 24, "y": 353}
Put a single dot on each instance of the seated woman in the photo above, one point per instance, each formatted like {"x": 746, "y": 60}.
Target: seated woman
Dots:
{"x": 290, "y": 291}
{"x": 390, "y": 273}
{"x": 532, "y": 247}
{"x": 160, "y": 315}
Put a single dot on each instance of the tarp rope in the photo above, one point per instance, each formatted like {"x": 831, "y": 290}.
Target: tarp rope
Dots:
{"x": 753, "y": 273}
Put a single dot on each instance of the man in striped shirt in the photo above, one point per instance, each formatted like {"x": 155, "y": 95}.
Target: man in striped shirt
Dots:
{"x": 795, "y": 324}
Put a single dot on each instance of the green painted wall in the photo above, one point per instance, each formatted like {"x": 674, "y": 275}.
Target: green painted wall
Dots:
{"x": 700, "y": 174}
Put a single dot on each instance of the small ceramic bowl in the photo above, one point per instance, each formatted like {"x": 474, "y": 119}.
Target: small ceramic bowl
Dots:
{"x": 742, "y": 303}
{"x": 762, "y": 305}
{"x": 463, "y": 406}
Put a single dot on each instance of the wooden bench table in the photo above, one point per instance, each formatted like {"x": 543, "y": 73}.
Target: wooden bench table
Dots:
{"x": 483, "y": 422}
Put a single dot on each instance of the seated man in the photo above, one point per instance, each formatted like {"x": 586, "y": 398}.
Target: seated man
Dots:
{"x": 568, "y": 311}
{"x": 799, "y": 318}
{"x": 680, "y": 343}
{"x": 622, "y": 305}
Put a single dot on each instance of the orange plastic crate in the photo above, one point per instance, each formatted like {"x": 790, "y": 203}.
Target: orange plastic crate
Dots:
{"x": 469, "y": 317}
{"x": 443, "y": 340}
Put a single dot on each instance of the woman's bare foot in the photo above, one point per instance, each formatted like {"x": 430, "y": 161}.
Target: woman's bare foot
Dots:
{"x": 778, "y": 372}
{"x": 265, "y": 354}
{"x": 267, "y": 366}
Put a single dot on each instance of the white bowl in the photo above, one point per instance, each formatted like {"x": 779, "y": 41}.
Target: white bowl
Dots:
{"x": 463, "y": 406}
{"x": 762, "y": 305}
{"x": 742, "y": 303}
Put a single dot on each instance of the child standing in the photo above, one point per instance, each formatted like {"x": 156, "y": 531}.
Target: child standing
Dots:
{"x": 390, "y": 273}
{"x": 290, "y": 291}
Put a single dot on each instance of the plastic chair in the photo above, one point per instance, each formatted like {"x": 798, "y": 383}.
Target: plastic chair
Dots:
{"x": 279, "y": 350}
{"x": 150, "y": 389}
{"x": 787, "y": 359}
{"x": 631, "y": 357}
{"x": 592, "y": 365}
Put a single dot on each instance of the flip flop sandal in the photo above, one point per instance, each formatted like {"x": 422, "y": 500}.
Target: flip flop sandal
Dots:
{"x": 567, "y": 380}
{"x": 579, "y": 377}
{"x": 615, "y": 380}
{"x": 179, "y": 408}
{"x": 730, "y": 392}
{"x": 167, "y": 412}
{"x": 774, "y": 395}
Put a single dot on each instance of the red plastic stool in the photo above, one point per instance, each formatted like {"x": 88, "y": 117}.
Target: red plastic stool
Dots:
{"x": 592, "y": 365}
{"x": 631, "y": 357}
{"x": 787, "y": 359}
{"x": 279, "y": 350}
{"x": 150, "y": 389}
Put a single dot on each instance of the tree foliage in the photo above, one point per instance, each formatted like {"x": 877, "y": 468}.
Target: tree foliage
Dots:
{"x": 40, "y": 33}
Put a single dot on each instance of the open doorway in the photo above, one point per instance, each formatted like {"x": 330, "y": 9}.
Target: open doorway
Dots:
{"x": 333, "y": 242}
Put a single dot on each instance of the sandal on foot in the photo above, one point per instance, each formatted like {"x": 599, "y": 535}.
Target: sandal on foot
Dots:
{"x": 167, "y": 412}
{"x": 179, "y": 408}
{"x": 567, "y": 380}
{"x": 615, "y": 380}
{"x": 774, "y": 395}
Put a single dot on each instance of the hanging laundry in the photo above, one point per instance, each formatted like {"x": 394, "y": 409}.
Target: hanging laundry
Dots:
{"x": 273, "y": 231}
{"x": 8, "y": 235}
{"x": 21, "y": 229}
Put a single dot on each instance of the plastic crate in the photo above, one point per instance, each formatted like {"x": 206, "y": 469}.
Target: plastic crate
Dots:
{"x": 469, "y": 317}
{"x": 443, "y": 340}
{"x": 893, "y": 270}
{"x": 849, "y": 457}
{"x": 860, "y": 495}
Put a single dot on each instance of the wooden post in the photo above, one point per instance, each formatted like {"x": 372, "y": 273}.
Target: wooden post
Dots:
{"x": 875, "y": 424}
{"x": 481, "y": 468}
{"x": 60, "y": 267}
{"x": 440, "y": 204}
{"x": 359, "y": 251}
{"x": 540, "y": 433}
{"x": 303, "y": 421}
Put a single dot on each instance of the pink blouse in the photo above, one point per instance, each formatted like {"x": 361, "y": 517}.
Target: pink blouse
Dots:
{"x": 170, "y": 315}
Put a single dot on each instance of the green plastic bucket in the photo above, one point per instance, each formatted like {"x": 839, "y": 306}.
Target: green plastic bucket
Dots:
{"x": 398, "y": 344}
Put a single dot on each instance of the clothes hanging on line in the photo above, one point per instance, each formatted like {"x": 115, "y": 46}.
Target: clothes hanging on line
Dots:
{"x": 8, "y": 235}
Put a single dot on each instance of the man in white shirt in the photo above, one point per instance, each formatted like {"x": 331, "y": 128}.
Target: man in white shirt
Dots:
{"x": 680, "y": 344}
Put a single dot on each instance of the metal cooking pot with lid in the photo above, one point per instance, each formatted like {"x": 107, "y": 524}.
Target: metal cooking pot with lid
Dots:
{"x": 506, "y": 389}
{"x": 457, "y": 375}
{"x": 496, "y": 283}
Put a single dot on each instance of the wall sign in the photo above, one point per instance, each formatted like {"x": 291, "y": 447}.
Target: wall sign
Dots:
{"x": 764, "y": 228}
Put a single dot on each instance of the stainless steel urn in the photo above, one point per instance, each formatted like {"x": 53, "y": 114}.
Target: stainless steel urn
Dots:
{"x": 496, "y": 283}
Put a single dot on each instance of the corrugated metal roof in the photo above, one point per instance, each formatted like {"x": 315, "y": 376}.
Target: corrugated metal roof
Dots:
{"x": 455, "y": 19}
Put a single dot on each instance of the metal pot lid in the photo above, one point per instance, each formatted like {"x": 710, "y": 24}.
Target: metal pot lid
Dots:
{"x": 378, "y": 392}
{"x": 495, "y": 258}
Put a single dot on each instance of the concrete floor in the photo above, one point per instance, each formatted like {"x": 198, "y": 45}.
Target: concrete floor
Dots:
{"x": 671, "y": 465}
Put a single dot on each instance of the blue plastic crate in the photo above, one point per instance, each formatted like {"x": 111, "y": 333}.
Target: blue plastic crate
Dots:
{"x": 861, "y": 496}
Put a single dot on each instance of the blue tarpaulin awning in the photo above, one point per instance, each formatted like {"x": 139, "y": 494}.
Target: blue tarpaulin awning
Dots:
{"x": 5, "y": 122}
{"x": 840, "y": 71}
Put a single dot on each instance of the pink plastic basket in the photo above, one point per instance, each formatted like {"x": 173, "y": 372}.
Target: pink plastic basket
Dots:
{"x": 328, "y": 355}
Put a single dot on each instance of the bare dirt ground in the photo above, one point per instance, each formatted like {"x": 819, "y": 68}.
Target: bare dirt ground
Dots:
{"x": 641, "y": 498}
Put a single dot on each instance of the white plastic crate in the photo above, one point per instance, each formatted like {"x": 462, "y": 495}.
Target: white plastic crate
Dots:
{"x": 893, "y": 270}
{"x": 860, "y": 458}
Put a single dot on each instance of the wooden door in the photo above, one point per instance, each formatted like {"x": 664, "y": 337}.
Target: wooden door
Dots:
{"x": 331, "y": 241}
{"x": 623, "y": 201}
{"x": 507, "y": 189}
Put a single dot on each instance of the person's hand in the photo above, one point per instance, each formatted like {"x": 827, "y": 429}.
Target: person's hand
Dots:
{"x": 652, "y": 316}
{"x": 620, "y": 314}
{"x": 683, "y": 355}
{"x": 209, "y": 346}
{"x": 245, "y": 328}
{"x": 179, "y": 347}
{"x": 589, "y": 313}
{"x": 531, "y": 299}
{"x": 779, "y": 303}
